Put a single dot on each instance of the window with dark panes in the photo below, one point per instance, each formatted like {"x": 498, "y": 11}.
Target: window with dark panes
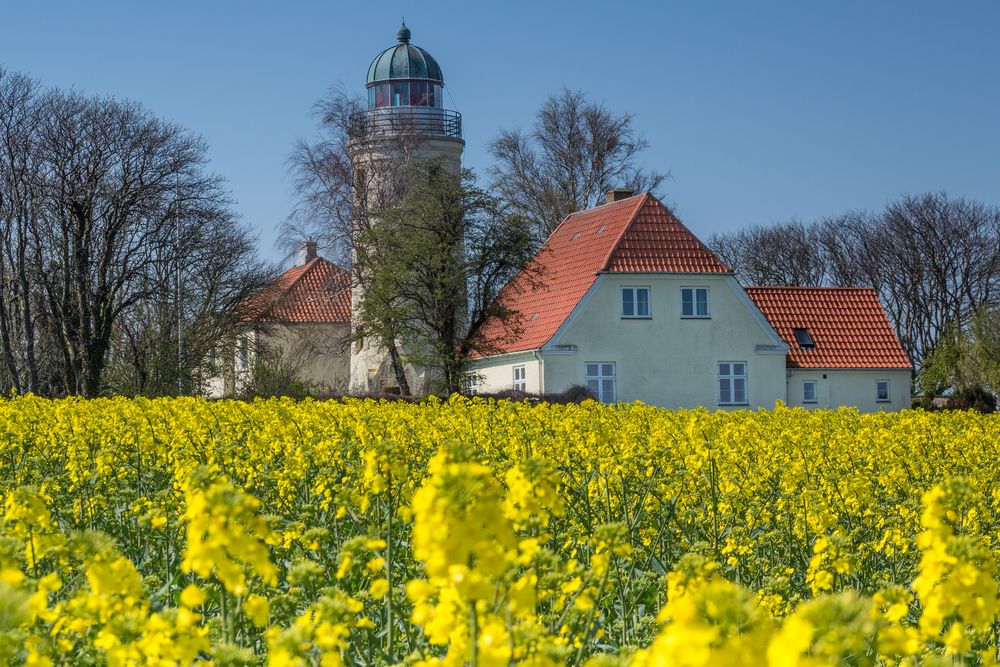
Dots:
{"x": 732, "y": 383}
{"x": 600, "y": 379}
{"x": 694, "y": 302}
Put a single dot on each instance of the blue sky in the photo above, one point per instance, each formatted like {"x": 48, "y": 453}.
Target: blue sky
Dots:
{"x": 761, "y": 111}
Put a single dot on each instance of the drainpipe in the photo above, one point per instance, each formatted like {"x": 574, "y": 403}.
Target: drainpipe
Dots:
{"x": 541, "y": 374}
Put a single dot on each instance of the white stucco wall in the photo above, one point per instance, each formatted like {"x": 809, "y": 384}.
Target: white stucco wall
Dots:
{"x": 665, "y": 359}
{"x": 497, "y": 374}
{"x": 854, "y": 387}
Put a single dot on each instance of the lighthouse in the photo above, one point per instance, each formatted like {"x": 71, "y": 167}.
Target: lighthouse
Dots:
{"x": 406, "y": 121}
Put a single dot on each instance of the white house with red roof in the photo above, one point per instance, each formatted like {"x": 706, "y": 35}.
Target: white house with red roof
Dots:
{"x": 301, "y": 321}
{"x": 636, "y": 307}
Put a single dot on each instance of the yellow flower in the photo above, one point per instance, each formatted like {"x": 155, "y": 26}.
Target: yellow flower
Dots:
{"x": 379, "y": 588}
{"x": 192, "y": 596}
{"x": 257, "y": 609}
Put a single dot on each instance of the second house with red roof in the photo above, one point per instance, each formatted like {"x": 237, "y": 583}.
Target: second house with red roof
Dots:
{"x": 635, "y": 307}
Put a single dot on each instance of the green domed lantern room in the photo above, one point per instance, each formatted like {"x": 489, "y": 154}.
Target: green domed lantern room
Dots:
{"x": 405, "y": 86}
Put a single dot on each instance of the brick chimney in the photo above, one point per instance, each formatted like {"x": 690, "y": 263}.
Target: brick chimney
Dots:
{"x": 617, "y": 194}
{"x": 307, "y": 253}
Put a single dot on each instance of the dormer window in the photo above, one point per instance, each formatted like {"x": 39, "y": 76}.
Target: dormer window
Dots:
{"x": 803, "y": 338}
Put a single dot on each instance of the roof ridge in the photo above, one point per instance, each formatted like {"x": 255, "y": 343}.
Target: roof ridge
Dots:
{"x": 635, "y": 213}
{"x": 591, "y": 210}
{"x": 812, "y": 287}
{"x": 617, "y": 201}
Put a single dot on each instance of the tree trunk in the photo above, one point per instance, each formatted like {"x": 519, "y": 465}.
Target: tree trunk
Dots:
{"x": 399, "y": 371}
{"x": 28, "y": 323}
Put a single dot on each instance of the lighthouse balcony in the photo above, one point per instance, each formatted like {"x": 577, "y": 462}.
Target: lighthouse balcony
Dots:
{"x": 403, "y": 120}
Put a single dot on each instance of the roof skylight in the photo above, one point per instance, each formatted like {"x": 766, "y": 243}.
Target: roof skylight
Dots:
{"x": 803, "y": 338}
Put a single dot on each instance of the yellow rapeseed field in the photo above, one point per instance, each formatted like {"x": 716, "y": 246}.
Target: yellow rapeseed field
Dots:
{"x": 176, "y": 531}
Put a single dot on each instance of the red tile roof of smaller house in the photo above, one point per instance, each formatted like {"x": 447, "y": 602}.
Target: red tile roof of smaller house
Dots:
{"x": 847, "y": 324}
{"x": 318, "y": 292}
{"x": 633, "y": 235}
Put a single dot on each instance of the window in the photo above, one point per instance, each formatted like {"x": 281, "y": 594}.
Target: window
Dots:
{"x": 400, "y": 94}
{"x": 244, "y": 352}
{"x": 600, "y": 379}
{"x": 809, "y": 391}
{"x": 635, "y": 302}
{"x": 382, "y": 94}
{"x": 803, "y": 338}
{"x": 732, "y": 383}
{"x": 694, "y": 302}
{"x": 520, "y": 384}
{"x": 471, "y": 384}
{"x": 882, "y": 391}
{"x": 422, "y": 94}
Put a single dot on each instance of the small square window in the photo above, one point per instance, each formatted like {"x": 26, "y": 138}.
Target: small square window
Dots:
{"x": 694, "y": 302}
{"x": 471, "y": 384}
{"x": 635, "y": 302}
{"x": 520, "y": 383}
{"x": 809, "y": 391}
{"x": 882, "y": 391}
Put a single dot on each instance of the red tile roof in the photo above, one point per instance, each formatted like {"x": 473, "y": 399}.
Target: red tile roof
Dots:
{"x": 847, "y": 324}
{"x": 656, "y": 241}
{"x": 634, "y": 235}
{"x": 317, "y": 293}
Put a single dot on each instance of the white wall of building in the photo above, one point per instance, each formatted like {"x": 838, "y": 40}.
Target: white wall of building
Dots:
{"x": 664, "y": 359}
{"x": 317, "y": 354}
{"x": 497, "y": 374}
{"x": 850, "y": 387}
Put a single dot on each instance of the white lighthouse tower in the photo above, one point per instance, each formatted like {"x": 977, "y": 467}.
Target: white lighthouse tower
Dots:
{"x": 405, "y": 121}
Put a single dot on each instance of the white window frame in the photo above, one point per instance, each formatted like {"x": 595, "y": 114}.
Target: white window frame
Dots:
{"x": 634, "y": 290}
{"x": 520, "y": 378}
{"x": 805, "y": 396}
{"x": 243, "y": 353}
{"x": 600, "y": 378}
{"x": 471, "y": 382}
{"x": 888, "y": 392}
{"x": 694, "y": 289}
{"x": 731, "y": 377}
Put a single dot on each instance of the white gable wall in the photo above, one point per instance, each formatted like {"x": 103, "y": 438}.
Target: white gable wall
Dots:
{"x": 497, "y": 373}
{"x": 850, "y": 387}
{"x": 666, "y": 359}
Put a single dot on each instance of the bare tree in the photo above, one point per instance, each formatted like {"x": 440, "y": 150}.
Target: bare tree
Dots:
{"x": 108, "y": 216}
{"x": 786, "y": 253}
{"x": 933, "y": 260}
{"x": 19, "y": 114}
{"x": 576, "y": 152}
